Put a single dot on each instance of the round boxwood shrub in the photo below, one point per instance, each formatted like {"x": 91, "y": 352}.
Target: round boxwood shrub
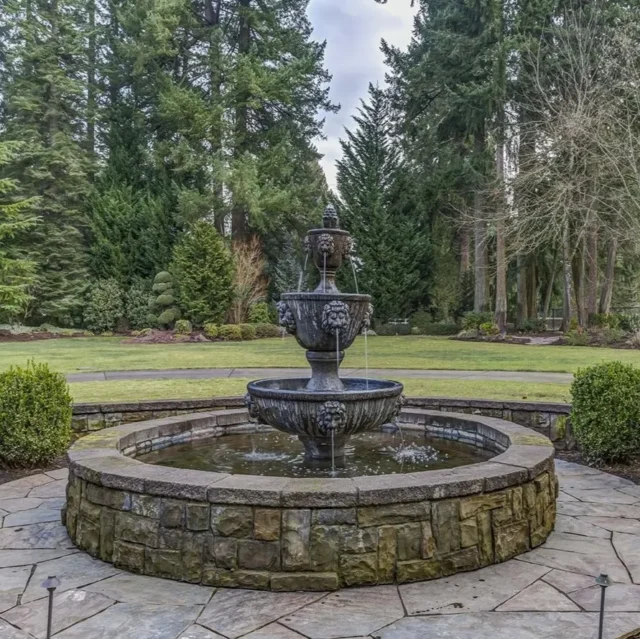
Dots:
{"x": 35, "y": 416}
{"x": 606, "y": 411}
{"x": 211, "y": 331}
{"x": 248, "y": 331}
{"x": 183, "y": 327}
{"x": 230, "y": 332}
{"x": 267, "y": 330}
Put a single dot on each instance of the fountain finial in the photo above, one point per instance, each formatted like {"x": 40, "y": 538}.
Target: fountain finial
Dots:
{"x": 330, "y": 217}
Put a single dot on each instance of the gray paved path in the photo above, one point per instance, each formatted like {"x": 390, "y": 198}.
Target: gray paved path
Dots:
{"x": 547, "y": 593}
{"x": 259, "y": 373}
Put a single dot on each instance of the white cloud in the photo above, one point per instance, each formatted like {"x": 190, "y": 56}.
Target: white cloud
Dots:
{"x": 353, "y": 30}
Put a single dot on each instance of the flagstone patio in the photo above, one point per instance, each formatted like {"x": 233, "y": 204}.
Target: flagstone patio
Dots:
{"x": 546, "y": 593}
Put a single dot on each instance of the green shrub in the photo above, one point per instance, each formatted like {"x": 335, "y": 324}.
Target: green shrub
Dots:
{"x": 577, "y": 337}
{"x": 532, "y": 325}
{"x": 183, "y": 327}
{"x": 473, "y": 320}
{"x": 606, "y": 411}
{"x": 611, "y": 335}
{"x": 211, "y": 331}
{"x": 104, "y": 306}
{"x": 203, "y": 269}
{"x": 416, "y": 330}
{"x": 267, "y": 330}
{"x": 440, "y": 328}
{"x": 420, "y": 320}
{"x": 604, "y": 320}
{"x": 469, "y": 333}
{"x": 489, "y": 328}
{"x": 35, "y": 416}
{"x": 136, "y": 305}
{"x": 629, "y": 322}
{"x": 230, "y": 332}
{"x": 248, "y": 331}
{"x": 393, "y": 329}
{"x": 259, "y": 313}
{"x": 162, "y": 309}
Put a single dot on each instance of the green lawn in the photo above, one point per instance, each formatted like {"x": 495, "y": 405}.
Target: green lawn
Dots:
{"x": 99, "y": 353}
{"x": 194, "y": 388}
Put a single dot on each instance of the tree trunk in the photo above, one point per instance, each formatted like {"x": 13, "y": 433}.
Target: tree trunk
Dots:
{"x": 465, "y": 251}
{"x": 609, "y": 277}
{"x": 212, "y": 14}
{"x": 501, "y": 257}
{"x": 480, "y": 237}
{"x": 532, "y": 290}
{"x": 522, "y": 311}
{"x": 91, "y": 89}
{"x": 569, "y": 312}
{"x": 239, "y": 215}
{"x": 579, "y": 284}
{"x": 592, "y": 271}
{"x": 550, "y": 287}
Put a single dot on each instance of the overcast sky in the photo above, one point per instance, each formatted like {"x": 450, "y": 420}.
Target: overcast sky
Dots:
{"x": 353, "y": 30}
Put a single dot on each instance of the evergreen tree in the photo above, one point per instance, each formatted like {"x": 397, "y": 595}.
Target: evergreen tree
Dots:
{"x": 392, "y": 245}
{"x": 17, "y": 271}
{"x": 43, "y": 99}
{"x": 203, "y": 270}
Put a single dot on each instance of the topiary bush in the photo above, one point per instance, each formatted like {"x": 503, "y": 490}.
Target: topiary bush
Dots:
{"x": 259, "y": 313}
{"x": 104, "y": 306}
{"x": 211, "y": 331}
{"x": 230, "y": 332}
{"x": 35, "y": 416}
{"x": 267, "y": 331}
{"x": 203, "y": 269}
{"x": 606, "y": 411}
{"x": 248, "y": 331}
{"x": 163, "y": 311}
{"x": 420, "y": 320}
{"x": 183, "y": 327}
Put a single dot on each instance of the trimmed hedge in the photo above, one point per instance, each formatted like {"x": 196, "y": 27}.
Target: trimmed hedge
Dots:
{"x": 35, "y": 416}
{"x": 606, "y": 411}
{"x": 267, "y": 330}
{"x": 230, "y": 333}
{"x": 247, "y": 331}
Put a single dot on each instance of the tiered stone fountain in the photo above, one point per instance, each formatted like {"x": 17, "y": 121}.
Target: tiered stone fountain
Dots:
{"x": 325, "y": 410}
{"x": 218, "y": 499}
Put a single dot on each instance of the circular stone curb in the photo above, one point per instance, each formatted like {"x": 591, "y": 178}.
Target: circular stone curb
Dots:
{"x": 283, "y": 533}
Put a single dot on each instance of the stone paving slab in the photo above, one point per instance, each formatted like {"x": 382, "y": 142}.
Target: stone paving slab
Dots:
{"x": 526, "y": 598}
{"x": 128, "y": 621}
{"x": 477, "y": 591}
{"x": 347, "y": 613}
{"x": 522, "y": 625}
{"x": 539, "y": 597}
{"x": 73, "y": 572}
{"x": 71, "y": 607}
{"x": 234, "y": 613}
{"x": 138, "y": 589}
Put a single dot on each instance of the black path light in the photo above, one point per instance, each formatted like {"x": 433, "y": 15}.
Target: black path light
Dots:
{"x": 604, "y": 582}
{"x": 50, "y": 584}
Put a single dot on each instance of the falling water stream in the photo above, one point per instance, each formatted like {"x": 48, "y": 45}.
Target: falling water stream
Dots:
{"x": 366, "y": 358}
{"x": 355, "y": 276}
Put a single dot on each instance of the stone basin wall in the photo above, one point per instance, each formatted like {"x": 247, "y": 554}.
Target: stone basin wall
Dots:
{"x": 548, "y": 418}
{"x": 308, "y": 534}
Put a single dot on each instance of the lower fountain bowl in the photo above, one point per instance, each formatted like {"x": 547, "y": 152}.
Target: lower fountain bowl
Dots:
{"x": 324, "y": 420}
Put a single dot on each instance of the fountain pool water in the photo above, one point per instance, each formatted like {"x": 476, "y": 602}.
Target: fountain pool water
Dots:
{"x": 277, "y": 454}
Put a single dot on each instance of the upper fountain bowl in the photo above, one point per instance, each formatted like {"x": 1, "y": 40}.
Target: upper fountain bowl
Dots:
{"x": 325, "y": 322}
